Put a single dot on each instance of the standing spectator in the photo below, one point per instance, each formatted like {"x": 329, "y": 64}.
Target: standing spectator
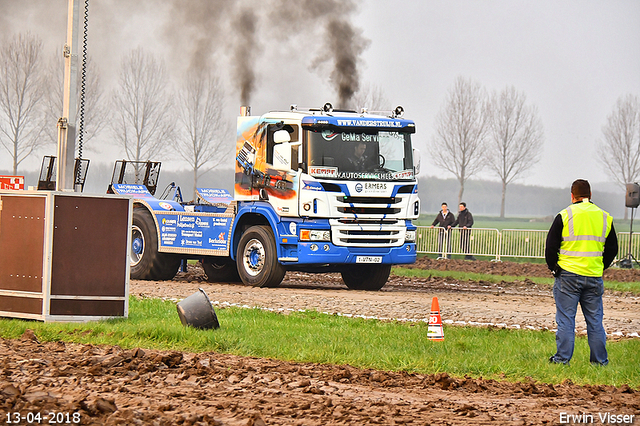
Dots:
{"x": 445, "y": 219}
{"x": 581, "y": 244}
{"x": 464, "y": 221}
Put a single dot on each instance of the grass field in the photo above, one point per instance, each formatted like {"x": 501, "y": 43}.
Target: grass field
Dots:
{"x": 310, "y": 336}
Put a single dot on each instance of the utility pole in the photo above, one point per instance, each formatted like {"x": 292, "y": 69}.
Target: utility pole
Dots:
{"x": 67, "y": 123}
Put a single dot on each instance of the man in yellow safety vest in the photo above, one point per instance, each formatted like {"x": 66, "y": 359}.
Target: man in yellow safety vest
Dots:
{"x": 581, "y": 244}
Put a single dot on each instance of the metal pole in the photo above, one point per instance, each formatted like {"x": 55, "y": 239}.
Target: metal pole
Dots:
{"x": 67, "y": 124}
{"x": 630, "y": 238}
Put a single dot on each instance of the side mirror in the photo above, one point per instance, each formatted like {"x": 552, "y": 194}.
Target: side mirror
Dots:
{"x": 285, "y": 155}
{"x": 282, "y": 156}
{"x": 281, "y": 136}
{"x": 416, "y": 161}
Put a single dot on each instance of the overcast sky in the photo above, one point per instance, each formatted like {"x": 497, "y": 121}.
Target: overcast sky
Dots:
{"x": 572, "y": 59}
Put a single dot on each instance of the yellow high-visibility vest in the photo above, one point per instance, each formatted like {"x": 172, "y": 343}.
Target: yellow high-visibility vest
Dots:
{"x": 585, "y": 228}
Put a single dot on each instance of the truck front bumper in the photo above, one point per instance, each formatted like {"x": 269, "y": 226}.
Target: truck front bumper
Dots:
{"x": 321, "y": 252}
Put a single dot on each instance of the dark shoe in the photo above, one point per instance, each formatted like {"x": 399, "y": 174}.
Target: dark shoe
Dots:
{"x": 469, "y": 257}
{"x": 448, "y": 256}
{"x": 600, "y": 364}
{"x": 554, "y": 360}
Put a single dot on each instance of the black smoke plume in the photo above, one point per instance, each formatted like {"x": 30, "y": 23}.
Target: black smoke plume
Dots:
{"x": 346, "y": 44}
{"x": 201, "y": 34}
{"x": 226, "y": 28}
{"x": 195, "y": 30}
{"x": 328, "y": 21}
{"x": 244, "y": 53}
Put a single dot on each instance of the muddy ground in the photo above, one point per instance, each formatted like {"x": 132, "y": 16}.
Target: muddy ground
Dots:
{"x": 515, "y": 269}
{"x": 107, "y": 385}
{"x": 512, "y": 304}
{"x": 110, "y": 386}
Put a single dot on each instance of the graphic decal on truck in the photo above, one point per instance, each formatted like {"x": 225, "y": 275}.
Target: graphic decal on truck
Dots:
{"x": 204, "y": 232}
{"x": 253, "y": 172}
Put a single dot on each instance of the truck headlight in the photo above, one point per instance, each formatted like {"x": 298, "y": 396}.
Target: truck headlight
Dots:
{"x": 410, "y": 236}
{"x": 314, "y": 235}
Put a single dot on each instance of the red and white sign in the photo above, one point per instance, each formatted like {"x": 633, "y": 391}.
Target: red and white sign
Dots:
{"x": 12, "y": 182}
{"x": 405, "y": 174}
{"x": 326, "y": 172}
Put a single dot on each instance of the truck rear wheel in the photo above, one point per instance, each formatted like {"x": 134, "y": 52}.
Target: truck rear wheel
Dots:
{"x": 220, "y": 270}
{"x": 366, "y": 277}
{"x": 146, "y": 262}
{"x": 257, "y": 258}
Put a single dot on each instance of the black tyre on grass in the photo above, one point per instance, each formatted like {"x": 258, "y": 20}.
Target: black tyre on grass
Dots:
{"x": 220, "y": 270}
{"x": 366, "y": 277}
{"x": 145, "y": 261}
{"x": 257, "y": 258}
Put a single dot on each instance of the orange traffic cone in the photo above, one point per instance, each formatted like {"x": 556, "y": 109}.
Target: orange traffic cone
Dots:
{"x": 435, "y": 330}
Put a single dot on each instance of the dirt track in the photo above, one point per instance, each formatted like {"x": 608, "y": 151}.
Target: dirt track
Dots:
{"x": 517, "y": 304}
{"x": 106, "y": 385}
{"x": 515, "y": 269}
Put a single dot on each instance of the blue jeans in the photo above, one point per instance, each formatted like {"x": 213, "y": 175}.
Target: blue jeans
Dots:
{"x": 568, "y": 290}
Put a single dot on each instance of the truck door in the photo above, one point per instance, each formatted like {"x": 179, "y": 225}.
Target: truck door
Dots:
{"x": 282, "y": 180}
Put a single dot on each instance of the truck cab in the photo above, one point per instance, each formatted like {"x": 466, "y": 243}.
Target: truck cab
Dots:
{"x": 315, "y": 190}
{"x": 352, "y": 217}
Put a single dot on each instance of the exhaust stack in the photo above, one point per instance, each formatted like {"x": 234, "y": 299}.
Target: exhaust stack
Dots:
{"x": 245, "y": 111}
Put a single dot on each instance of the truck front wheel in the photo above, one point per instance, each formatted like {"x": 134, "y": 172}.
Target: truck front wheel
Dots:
{"x": 366, "y": 277}
{"x": 146, "y": 262}
{"x": 257, "y": 258}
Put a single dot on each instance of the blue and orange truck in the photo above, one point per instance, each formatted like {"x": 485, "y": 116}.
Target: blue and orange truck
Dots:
{"x": 298, "y": 204}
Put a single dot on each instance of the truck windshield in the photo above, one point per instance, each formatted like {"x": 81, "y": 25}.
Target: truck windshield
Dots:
{"x": 375, "y": 155}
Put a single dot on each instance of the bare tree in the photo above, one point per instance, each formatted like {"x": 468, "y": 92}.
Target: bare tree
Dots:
{"x": 371, "y": 97}
{"x": 22, "y": 119}
{"x": 515, "y": 139}
{"x": 141, "y": 107}
{"x": 96, "y": 111}
{"x": 202, "y": 142}
{"x": 619, "y": 150}
{"x": 461, "y": 128}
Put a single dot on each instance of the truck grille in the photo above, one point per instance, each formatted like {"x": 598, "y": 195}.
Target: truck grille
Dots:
{"x": 368, "y": 210}
{"x": 369, "y": 200}
{"x": 369, "y": 205}
{"x": 368, "y": 233}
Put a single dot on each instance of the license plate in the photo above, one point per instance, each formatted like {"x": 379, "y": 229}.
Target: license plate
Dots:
{"x": 368, "y": 259}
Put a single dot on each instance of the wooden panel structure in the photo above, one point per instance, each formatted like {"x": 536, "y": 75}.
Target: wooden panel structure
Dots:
{"x": 87, "y": 235}
{"x": 18, "y": 304}
{"x": 100, "y": 308}
{"x": 64, "y": 256}
{"x": 22, "y": 227}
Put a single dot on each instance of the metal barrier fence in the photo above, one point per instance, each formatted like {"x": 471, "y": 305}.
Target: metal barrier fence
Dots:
{"x": 522, "y": 243}
{"x": 623, "y": 245}
{"x": 494, "y": 243}
{"x": 469, "y": 242}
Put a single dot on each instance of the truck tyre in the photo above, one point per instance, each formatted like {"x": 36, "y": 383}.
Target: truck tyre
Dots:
{"x": 220, "y": 270}
{"x": 257, "y": 258}
{"x": 145, "y": 261}
{"x": 366, "y": 277}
